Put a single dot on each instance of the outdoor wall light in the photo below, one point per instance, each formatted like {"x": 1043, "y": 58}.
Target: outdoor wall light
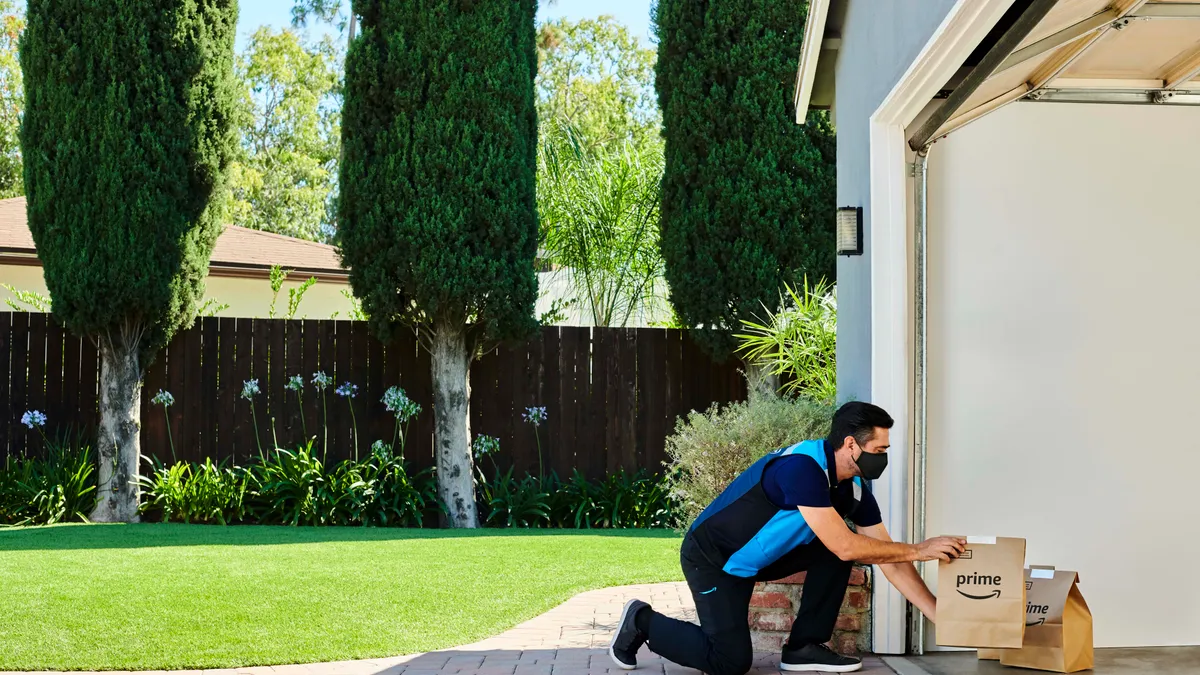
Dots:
{"x": 849, "y": 230}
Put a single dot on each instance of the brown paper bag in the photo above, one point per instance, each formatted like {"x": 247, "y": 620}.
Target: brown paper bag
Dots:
{"x": 981, "y": 595}
{"x": 1058, "y": 625}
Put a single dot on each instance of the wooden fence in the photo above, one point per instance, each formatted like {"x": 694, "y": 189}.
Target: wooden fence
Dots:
{"x": 612, "y": 395}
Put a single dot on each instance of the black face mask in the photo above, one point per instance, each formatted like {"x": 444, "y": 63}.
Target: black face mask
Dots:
{"x": 871, "y": 465}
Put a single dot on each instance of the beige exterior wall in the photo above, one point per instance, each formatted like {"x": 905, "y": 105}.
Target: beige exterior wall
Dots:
{"x": 1062, "y": 351}
{"x": 247, "y": 298}
{"x": 21, "y": 278}
{"x": 252, "y": 298}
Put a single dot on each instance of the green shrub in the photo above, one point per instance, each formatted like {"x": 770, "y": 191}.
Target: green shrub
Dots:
{"x": 516, "y": 502}
{"x": 710, "y": 449}
{"x": 208, "y": 493}
{"x": 797, "y": 343}
{"x": 57, "y": 488}
{"x": 382, "y": 491}
{"x": 636, "y": 500}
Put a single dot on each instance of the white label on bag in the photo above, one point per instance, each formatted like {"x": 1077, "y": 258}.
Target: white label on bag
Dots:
{"x": 1041, "y": 574}
{"x": 981, "y": 540}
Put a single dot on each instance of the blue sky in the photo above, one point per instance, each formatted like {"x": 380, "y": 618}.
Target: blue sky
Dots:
{"x": 632, "y": 13}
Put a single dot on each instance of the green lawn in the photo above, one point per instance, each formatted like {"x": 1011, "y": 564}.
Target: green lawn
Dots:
{"x": 128, "y": 597}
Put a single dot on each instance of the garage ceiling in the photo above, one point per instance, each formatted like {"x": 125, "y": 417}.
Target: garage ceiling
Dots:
{"x": 1090, "y": 51}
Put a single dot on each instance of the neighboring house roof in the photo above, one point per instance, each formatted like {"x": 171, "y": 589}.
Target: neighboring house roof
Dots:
{"x": 239, "y": 251}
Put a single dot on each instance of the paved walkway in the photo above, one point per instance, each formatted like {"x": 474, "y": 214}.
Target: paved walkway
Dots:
{"x": 571, "y": 639}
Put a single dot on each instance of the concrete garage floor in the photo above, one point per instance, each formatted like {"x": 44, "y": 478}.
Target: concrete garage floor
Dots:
{"x": 1153, "y": 661}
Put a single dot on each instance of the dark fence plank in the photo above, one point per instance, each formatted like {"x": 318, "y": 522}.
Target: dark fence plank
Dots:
{"x": 7, "y": 406}
{"x": 487, "y": 413}
{"x": 245, "y": 444}
{"x": 277, "y": 374}
{"x": 195, "y": 424}
{"x": 55, "y": 407}
{"x": 312, "y": 396}
{"x": 174, "y": 356}
{"x": 673, "y": 378}
{"x": 71, "y": 379}
{"x": 297, "y": 425}
{"x": 377, "y": 423}
{"x": 19, "y": 374}
{"x": 89, "y": 382}
{"x": 209, "y": 364}
{"x": 603, "y": 402}
{"x": 156, "y": 442}
{"x": 366, "y": 403}
{"x": 227, "y": 387}
{"x": 35, "y": 387}
{"x": 570, "y": 342}
{"x": 329, "y": 401}
{"x": 550, "y": 382}
{"x": 343, "y": 366}
{"x": 648, "y": 397}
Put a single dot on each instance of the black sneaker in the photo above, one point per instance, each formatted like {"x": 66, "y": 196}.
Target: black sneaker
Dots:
{"x": 626, "y": 640}
{"x": 818, "y": 658}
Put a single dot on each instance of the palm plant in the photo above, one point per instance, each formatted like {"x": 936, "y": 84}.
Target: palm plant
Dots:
{"x": 599, "y": 209}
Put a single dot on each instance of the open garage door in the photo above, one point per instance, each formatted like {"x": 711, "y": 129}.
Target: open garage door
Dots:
{"x": 1064, "y": 326}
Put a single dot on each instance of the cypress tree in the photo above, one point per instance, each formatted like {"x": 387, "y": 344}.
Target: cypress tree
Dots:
{"x": 748, "y": 195}
{"x": 126, "y": 139}
{"x": 436, "y": 216}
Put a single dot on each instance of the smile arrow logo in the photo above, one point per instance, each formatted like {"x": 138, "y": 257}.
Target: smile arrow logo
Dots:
{"x": 1036, "y": 623}
{"x": 993, "y": 594}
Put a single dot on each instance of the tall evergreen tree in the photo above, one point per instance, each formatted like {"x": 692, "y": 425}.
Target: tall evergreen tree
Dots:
{"x": 436, "y": 216}
{"x": 748, "y": 195}
{"x": 126, "y": 139}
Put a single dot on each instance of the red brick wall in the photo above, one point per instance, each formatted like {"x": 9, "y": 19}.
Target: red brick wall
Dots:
{"x": 773, "y": 608}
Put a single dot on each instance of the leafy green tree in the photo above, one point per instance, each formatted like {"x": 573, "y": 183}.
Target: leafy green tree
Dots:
{"x": 290, "y": 109}
{"x": 748, "y": 195}
{"x": 597, "y": 79}
{"x": 437, "y": 215}
{"x": 127, "y": 137}
{"x": 12, "y": 100}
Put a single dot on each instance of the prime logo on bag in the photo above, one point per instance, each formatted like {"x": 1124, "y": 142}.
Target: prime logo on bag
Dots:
{"x": 981, "y": 598}
{"x": 978, "y": 580}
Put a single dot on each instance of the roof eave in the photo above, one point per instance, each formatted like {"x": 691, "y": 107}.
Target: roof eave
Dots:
{"x": 810, "y": 55}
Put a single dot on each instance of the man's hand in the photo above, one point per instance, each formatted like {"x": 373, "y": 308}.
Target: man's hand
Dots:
{"x": 941, "y": 548}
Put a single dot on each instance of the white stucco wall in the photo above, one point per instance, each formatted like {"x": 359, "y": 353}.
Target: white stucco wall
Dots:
{"x": 245, "y": 297}
{"x": 1063, "y": 351}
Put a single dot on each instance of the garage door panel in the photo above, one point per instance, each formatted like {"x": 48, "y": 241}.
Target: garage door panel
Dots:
{"x": 1064, "y": 343}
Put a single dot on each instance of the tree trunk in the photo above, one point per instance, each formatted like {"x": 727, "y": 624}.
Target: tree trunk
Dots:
{"x": 760, "y": 382}
{"x": 452, "y": 432}
{"x": 118, "y": 445}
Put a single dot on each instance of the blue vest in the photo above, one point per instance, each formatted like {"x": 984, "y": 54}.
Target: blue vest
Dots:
{"x": 744, "y": 533}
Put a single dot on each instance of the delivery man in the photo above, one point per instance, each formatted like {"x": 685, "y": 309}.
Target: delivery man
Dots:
{"x": 783, "y": 515}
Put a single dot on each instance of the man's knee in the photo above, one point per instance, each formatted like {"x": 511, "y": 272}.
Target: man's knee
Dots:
{"x": 735, "y": 662}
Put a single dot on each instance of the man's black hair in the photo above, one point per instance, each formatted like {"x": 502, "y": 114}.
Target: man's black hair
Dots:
{"x": 859, "y": 420}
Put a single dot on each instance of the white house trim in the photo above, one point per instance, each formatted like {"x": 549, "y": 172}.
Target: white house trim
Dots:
{"x": 967, "y": 23}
